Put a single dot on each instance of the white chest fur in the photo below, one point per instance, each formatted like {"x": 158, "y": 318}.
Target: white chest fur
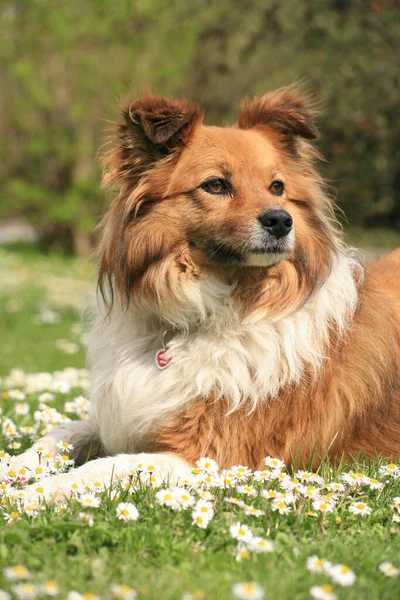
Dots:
{"x": 248, "y": 359}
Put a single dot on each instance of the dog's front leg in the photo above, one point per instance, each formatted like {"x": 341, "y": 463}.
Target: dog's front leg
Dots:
{"x": 164, "y": 466}
{"x": 82, "y": 435}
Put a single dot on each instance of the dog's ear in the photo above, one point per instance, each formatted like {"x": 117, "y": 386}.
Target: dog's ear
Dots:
{"x": 165, "y": 122}
{"x": 287, "y": 111}
{"x": 153, "y": 128}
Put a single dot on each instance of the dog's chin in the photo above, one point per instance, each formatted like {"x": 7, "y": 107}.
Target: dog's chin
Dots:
{"x": 258, "y": 256}
{"x": 266, "y": 259}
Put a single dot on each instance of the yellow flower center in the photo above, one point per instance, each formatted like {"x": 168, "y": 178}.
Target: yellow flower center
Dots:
{"x": 344, "y": 570}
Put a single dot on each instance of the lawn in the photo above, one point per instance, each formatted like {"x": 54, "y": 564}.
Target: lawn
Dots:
{"x": 165, "y": 553}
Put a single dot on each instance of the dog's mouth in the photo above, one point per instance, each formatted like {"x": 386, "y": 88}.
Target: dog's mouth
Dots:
{"x": 264, "y": 255}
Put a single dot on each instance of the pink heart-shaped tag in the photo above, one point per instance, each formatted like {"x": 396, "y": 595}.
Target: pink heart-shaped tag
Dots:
{"x": 161, "y": 360}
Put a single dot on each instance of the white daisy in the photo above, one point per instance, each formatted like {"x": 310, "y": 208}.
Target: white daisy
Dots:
{"x": 240, "y": 532}
{"x": 126, "y": 511}
{"x": 323, "y": 592}
{"x": 90, "y": 500}
{"x": 249, "y": 490}
{"x": 281, "y": 506}
{"x": 50, "y": 588}
{"x": 167, "y": 498}
{"x": 322, "y": 506}
{"x": 388, "y": 569}
{"x": 122, "y": 592}
{"x": 317, "y": 565}
{"x": 25, "y": 591}
{"x": 17, "y": 572}
{"x": 274, "y": 463}
{"x": 248, "y": 591}
{"x": 207, "y": 464}
{"x": 259, "y": 545}
{"x": 360, "y": 508}
{"x": 342, "y": 575}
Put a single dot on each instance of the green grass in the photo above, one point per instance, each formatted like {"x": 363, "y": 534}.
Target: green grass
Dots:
{"x": 163, "y": 555}
{"x": 374, "y": 238}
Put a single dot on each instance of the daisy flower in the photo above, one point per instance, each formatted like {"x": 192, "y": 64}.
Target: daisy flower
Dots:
{"x": 342, "y": 575}
{"x": 11, "y": 517}
{"x": 322, "y": 506}
{"x": 14, "y": 445}
{"x": 281, "y": 506}
{"x": 167, "y": 498}
{"x": 122, "y": 592}
{"x": 25, "y": 591}
{"x": 252, "y": 511}
{"x": 4, "y": 456}
{"x": 283, "y": 478}
{"x": 261, "y": 475}
{"x": 274, "y": 463}
{"x": 126, "y": 511}
{"x": 65, "y": 446}
{"x": 374, "y": 484}
{"x": 293, "y": 485}
{"x": 205, "y": 495}
{"x": 241, "y": 472}
{"x": 270, "y": 494}
{"x": 50, "y": 588}
{"x": 207, "y": 464}
{"x": 16, "y": 394}
{"x": 242, "y": 552}
{"x": 317, "y": 565}
{"x": 233, "y": 500}
{"x": 306, "y": 476}
{"x": 388, "y": 569}
{"x": 204, "y": 508}
{"x": 22, "y": 408}
{"x": 360, "y": 508}
{"x": 310, "y": 492}
{"x": 62, "y": 387}
{"x": 184, "y": 498}
{"x": 90, "y": 500}
{"x": 46, "y": 397}
{"x": 323, "y": 592}
{"x": 86, "y": 518}
{"x": 17, "y": 572}
{"x": 240, "y": 532}
{"x": 391, "y": 469}
{"x": 259, "y": 545}
{"x": 351, "y": 479}
{"x": 4, "y": 595}
{"x": 248, "y": 591}
{"x": 64, "y": 459}
{"x": 396, "y": 518}
{"x": 249, "y": 490}
{"x": 200, "y": 520}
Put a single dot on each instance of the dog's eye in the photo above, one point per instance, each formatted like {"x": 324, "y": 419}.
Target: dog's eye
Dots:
{"x": 217, "y": 186}
{"x": 277, "y": 187}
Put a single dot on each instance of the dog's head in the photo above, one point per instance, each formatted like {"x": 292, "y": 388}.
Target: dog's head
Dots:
{"x": 243, "y": 204}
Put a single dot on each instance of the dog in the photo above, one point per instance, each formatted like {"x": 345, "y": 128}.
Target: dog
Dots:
{"x": 233, "y": 321}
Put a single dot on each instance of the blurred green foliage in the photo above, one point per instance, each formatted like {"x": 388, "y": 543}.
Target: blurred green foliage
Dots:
{"x": 65, "y": 64}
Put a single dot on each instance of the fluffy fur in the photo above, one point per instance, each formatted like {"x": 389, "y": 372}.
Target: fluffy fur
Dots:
{"x": 278, "y": 346}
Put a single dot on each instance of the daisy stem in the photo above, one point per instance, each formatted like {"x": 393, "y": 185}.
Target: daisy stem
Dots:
{"x": 301, "y": 507}
{"x": 321, "y": 524}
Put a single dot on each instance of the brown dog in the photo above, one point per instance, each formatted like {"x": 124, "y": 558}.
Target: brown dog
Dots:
{"x": 238, "y": 323}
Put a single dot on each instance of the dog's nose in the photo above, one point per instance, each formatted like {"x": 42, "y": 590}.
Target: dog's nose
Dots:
{"x": 277, "y": 222}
